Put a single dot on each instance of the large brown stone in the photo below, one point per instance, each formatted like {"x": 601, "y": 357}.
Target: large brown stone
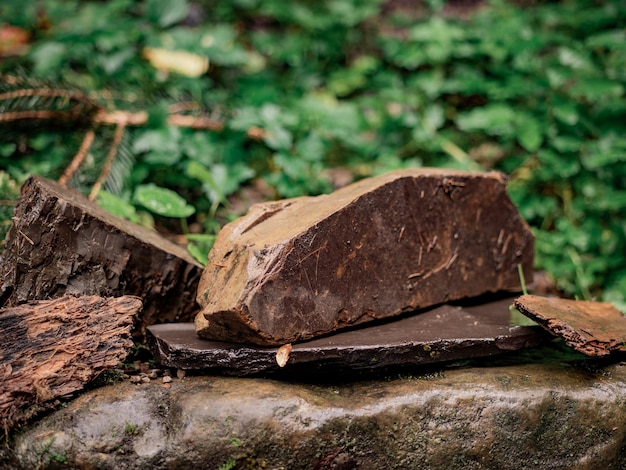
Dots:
{"x": 299, "y": 268}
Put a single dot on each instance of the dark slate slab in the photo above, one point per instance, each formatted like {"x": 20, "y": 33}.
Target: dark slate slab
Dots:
{"x": 445, "y": 333}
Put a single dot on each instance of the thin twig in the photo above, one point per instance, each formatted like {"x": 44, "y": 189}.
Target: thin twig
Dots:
{"x": 106, "y": 169}
{"x": 195, "y": 122}
{"x": 141, "y": 118}
{"x": 79, "y": 157}
{"x": 43, "y": 92}
{"x": 183, "y": 106}
{"x": 116, "y": 117}
{"x": 43, "y": 115}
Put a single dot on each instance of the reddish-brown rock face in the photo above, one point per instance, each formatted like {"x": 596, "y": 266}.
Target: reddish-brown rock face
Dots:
{"x": 300, "y": 268}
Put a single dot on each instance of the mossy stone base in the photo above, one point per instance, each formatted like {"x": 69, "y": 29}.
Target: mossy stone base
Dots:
{"x": 521, "y": 416}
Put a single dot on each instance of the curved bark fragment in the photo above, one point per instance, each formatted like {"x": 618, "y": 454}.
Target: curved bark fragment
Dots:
{"x": 592, "y": 328}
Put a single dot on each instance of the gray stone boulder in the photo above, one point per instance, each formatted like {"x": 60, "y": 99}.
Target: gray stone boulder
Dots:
{"x": 533, "y": 416}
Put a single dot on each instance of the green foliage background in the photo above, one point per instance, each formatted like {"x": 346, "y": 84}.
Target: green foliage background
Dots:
{"x": 303, "y": 87}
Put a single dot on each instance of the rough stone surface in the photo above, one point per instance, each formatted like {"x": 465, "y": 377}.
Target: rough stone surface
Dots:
{"x": 297, "y": 269}
{"x": 534, "y": 416}
{"x": 440, "y": 334}
{"x": 62, "y": 243}
{"x": 592, "y": 328}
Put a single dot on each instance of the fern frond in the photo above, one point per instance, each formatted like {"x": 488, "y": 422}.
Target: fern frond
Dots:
{"x": 24, "y": 99}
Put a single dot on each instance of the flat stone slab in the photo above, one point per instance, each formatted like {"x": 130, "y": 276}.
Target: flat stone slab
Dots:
{"x": 532, "y": 416}
{"x": 301, "y": 268}
{"x": 592, "y": 328}
{"x": 445, "y": 333}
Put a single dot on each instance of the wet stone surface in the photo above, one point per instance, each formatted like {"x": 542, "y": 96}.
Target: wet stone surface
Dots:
{"x": 535, "y": 416}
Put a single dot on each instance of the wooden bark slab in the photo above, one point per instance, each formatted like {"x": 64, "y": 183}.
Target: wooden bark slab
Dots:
{"x": 592, "y": 328}
{"x": 50, "y": 349}
{"x": 300, "y": 268}
{"x": 445, "y": 333}
{"x": 60, "y": 242}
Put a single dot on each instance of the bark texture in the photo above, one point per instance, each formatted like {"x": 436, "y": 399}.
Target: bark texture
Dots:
{"x": 51, "y": 349}
{"x": 300, "y": 268}
{"x": 60, "y": 242}
{"x": 592, "y": 328}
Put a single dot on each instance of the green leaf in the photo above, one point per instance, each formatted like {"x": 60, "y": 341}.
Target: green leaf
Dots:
{"x": 161, "y": 146}
{"x": 595, "y": 89}
{"x": 117, "y": 206}
{"x": 169, "y": 12}
{"x": 528, "y": 132}
{"x": 112, "y": 63}
{"x": 212, "y": 188}
{"x": 162, "y": 201}
{"x": 519, "y": 319}
{"x": 48, "y": 57}
{"x": 277, "y": 138}
{"x": 493, "y": 119}
{"x": 566, "y": 112}
{"x": 199, "y": 246}
{"x": 613, "y": 39}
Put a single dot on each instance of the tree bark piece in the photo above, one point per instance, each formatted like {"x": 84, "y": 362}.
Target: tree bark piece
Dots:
{"x": 60, "y": 242}
{"x": 592, "y": 328}
{"x": 50, "y": 349}
{"x": 300, "y": 268}
{"x": 441, "y": 334}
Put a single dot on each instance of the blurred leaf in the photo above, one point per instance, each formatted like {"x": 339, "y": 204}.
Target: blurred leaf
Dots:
{"x": 493, "y": 119}
{"x": 199, "y": 246}
{"x": 528, "y": 131}
{"x": 117, "y": 206}
{"x": 167, "y": 13}
{"x": 161, "y": 146}
{"x": 595, "y": 89}
{"x": 47, "y": 57}
{"x": 162, "y": 201}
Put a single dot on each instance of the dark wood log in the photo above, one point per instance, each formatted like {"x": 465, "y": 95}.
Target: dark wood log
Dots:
{"x": 52, "y": 348}
{"x": 60, "y": 242}
{"x": 592, "y": 328}
{"x": 300, "y": 268}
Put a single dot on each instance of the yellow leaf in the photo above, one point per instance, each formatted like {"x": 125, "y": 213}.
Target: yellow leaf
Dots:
{"x": 182, "y": 62}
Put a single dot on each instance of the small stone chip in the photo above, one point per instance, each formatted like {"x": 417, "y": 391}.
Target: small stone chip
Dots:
{"x": 167, "y": 379}
{"x": 282, "y": 355}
